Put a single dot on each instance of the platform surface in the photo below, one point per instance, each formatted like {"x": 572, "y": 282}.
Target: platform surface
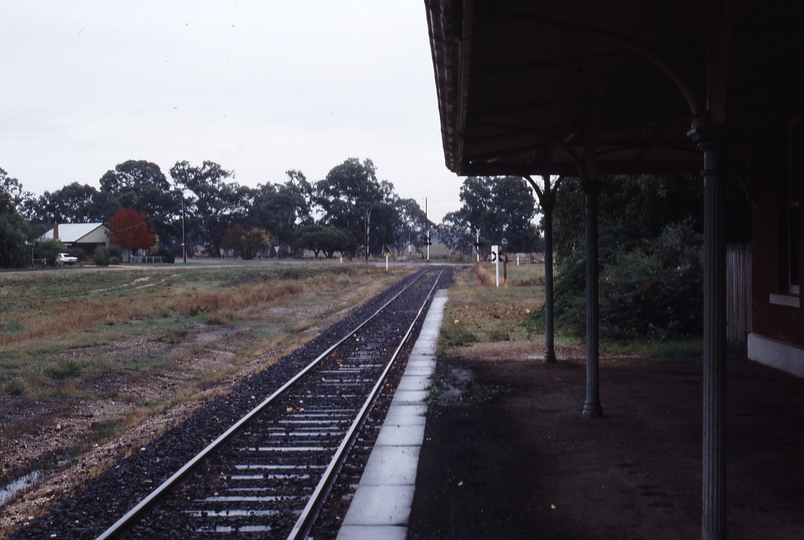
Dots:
{"x": 381, "y": 505}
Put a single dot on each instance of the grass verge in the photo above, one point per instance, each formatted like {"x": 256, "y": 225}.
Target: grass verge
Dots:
{"x": 479, "y": 313}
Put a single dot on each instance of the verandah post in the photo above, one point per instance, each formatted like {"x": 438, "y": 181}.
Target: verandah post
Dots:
{"x": 714, "y": 351}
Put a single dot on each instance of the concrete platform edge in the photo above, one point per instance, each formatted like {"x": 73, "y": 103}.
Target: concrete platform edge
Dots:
{"x": 381, "y": 506}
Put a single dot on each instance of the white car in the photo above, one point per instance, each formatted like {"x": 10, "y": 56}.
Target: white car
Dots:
{"x": 65, "y": 258}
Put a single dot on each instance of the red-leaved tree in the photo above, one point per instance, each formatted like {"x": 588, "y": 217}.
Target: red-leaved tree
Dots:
{"x": 131, "y": 229}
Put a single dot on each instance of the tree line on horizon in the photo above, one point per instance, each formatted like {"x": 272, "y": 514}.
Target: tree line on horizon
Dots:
{"x": 350, "y": 211}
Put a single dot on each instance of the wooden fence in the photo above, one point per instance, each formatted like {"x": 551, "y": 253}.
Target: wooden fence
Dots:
{"x": 738, "y": 291}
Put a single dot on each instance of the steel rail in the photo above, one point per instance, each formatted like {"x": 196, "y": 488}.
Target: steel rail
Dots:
{"x": 128, "y": 519}
{"x": 308, "y": 515}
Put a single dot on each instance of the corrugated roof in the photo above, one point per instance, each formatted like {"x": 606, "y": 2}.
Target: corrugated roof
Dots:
{"x": 71, "y": 232}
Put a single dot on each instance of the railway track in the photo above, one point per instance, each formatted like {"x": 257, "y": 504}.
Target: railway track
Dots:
{"x": 267, "y": 476}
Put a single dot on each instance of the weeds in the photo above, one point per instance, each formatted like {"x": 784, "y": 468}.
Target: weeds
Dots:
{"x": 456, "y": 335}
{"x": 479, "y": 312}
{"x": 112, "y": 334}
{"x": 665, "y": 350}
{"x": 223, "y": 318}
{"x": 15, "y": 387}
{"x": 480, "y": 393}
{"x": 173, "y": 335}
{"x": 433, "y": 392}
{"x": 63, "y": 369}
{"x": 102, "y": 431}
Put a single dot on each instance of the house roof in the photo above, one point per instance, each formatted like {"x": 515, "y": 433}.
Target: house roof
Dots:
{"x": 71, "y": 233}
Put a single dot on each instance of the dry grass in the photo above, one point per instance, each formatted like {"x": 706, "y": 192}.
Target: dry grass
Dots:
{"x": 481, "y": 316}
{"x": 479, "y": 311}
{"x": 47, "y": 315}
{"x": 42, "y": 321}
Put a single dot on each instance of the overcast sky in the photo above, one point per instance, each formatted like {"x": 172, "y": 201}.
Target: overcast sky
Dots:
{"x": 257, "y": 86}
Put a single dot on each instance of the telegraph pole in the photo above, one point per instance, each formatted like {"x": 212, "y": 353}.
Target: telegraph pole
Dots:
{"x": 427, "y": 222}
{"x": 183, "y": 235}
{"x": 367, "y": 211}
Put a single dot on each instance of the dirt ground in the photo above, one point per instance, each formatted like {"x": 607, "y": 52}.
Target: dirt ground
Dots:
{"x": 513, "y": 458}
{"x": 36, "y": 433}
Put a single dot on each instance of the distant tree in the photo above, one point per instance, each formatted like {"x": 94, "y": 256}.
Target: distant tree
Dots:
{"x": 282, "y": 208}
{"x": 13, "y": 188}
{"x": 142, "y": 185}
{"x": 74, "y": 203}
{"x": 308, "y": 237}
{"x": 351, "y": 198}
{"x": 501, "y": 208}
{"x": 216, "y": 204}
{"x": 247, "y": 243}
{"x": 132, "y": 230}
{"x": 326, "y": 240}
{"x": 35, "y": 230}
{"x": 385, "y": 224}
{"x": 411, "y": 225}
{"x": 456, "y": 233}
{"x": 13, "y": 250}
{"x": 338, "y": 240}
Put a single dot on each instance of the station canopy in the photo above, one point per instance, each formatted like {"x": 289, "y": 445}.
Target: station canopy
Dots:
{"x": 527, "y": 87}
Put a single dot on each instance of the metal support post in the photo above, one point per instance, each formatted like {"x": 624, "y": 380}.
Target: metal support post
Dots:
{"x": 714, "y": 353}
{"x": 592, "y": 408}
{"x": 549, "y": 333}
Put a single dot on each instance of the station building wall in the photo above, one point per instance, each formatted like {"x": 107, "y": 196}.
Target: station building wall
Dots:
{"x": 777, "y": 336}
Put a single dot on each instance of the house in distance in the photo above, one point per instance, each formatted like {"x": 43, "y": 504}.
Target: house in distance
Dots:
{"x": 85, "y": 236}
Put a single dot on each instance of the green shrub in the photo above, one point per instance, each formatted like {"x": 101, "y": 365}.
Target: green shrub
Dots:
{"x": 653, "y": 289}
{"x": 101, "y": 256}
{"x": 104, "y": 430}
{"x": 115, "y": 254}
{"x": 166, "y": 254}
{"x": 656, "y": 289}
{"x": 650, "y": 280}
{"x": 81, "y": 254}
{"x": 49, "y": 249}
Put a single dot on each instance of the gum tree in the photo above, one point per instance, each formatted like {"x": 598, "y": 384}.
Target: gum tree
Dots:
{"x": 217, "y": 203}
